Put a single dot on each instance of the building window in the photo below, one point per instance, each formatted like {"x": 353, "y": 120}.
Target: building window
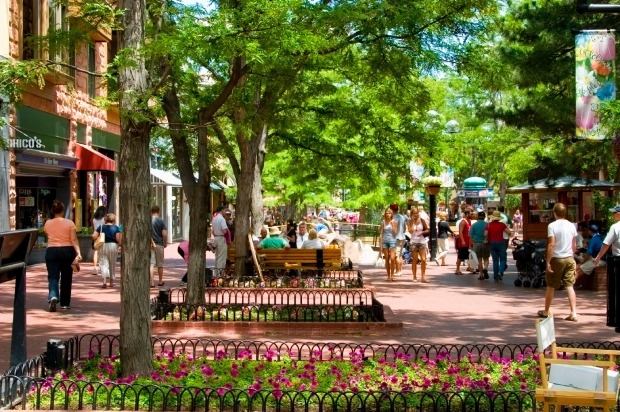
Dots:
{"x": 92, "y": 83}
{"x": 58, "y": 26}
{"x": 31, "y": 19}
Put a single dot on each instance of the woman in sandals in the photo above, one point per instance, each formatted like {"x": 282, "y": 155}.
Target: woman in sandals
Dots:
{"x": 418, "y": 229}
{"x": 387, "y": 240}
{"x": 98, "y": 220}
{"x": 109, "y": 251}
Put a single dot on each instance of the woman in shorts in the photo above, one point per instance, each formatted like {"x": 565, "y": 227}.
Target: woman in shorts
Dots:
{"x": 387, "y": 239}
{"x": 419, "y": 230}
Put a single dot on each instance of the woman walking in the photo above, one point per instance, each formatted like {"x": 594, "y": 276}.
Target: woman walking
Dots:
{"x": 418, "y": 229}
{"x": 494, "y": 235}
{"x": 387, "y": 240}
{"x": 98, "y": 220}
{"x": 443, "y": 232}
{"x": 109, "y": 250}
{"x": 62, "y": 249}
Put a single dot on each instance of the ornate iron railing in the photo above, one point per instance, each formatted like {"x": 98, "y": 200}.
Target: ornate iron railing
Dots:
{"x": 26, "y": 386}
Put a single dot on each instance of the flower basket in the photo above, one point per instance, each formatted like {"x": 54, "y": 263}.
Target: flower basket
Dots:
{"x": 433, "y": 189}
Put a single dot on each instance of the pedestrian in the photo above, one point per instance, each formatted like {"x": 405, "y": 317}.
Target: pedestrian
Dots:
{"x": 291, "y": 234}
{"x": 463, "y": 241}
{"x": 110, "y": 249}
{"x": 480, "y": 245}
{"x": 98, "y": 220}
{"x": 274, "y": 241}
{"x": 401, "y": 222}
{"x": 418, "y": 228}
{"x": 62, "y": 250}
{"x": 612, "y": 239}
{"x": 387, "y": 240}
{"x": 302, "y": 234}
{"x": 443, "y": 233}
{"x": 159, "y": 241}
{"x": 312, "y": 242}
{"x": 494, "y": 235}
{"x": 561, "y": 246}
{"x": 219, "y": 229}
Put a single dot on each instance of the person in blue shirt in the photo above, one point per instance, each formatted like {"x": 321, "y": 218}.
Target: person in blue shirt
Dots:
{"x": 594, "y": 247}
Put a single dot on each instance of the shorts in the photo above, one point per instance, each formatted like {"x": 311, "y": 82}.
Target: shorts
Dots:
{"x": 417, "y": 247}
{"x": 399, "y": 246}
{"x": 588, "y": 266}
{"x": 482, "y": 250}
{"x": 563, "y": 272}
{"x": 463, "y": 253}
{"x": 390, "y": 244}
{"x": 157, "y": 256}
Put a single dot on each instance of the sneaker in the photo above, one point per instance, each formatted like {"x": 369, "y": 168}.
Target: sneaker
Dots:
{"x": 53, "y": 302}
{"x": 398, "y": 274}
{"x": 486, "y": 273}
{"x": 182, "y": 283}
{"x": 65, "y": 307}
{"x": 436, "y": 261}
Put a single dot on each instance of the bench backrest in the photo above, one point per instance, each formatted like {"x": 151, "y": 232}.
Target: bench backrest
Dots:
{"x": 330, "y": 257}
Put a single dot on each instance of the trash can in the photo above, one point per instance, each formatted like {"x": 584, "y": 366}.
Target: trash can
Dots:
{"x": 613, "y": 292}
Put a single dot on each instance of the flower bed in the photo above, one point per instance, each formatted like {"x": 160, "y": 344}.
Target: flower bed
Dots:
{"x": 282, "y": 381}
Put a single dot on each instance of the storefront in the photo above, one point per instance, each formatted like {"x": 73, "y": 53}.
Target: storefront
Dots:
{"x": 44, "y": 172}
{"x": 475, "y": 193}
{"x": 538, "y": 199}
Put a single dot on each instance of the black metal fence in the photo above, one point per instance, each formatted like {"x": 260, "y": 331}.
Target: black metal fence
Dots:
{"x": 266, "y": 304}
{"x": 290, "y": 278}
{"x": 29, "y": 386}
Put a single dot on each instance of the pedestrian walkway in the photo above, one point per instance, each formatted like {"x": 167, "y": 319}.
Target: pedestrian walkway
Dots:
{"x": 449, "y": 310}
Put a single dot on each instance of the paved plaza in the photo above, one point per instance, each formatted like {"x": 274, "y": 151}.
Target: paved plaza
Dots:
{"x": 449, "y": 310}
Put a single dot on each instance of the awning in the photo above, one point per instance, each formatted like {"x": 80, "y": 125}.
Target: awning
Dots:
{"x": 89, "y": 159}
{"x": 564, "y": 184}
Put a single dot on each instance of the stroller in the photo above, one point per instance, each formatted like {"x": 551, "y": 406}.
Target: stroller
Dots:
{"x": 530, "y": 260}
{"x": 406, "y": 253}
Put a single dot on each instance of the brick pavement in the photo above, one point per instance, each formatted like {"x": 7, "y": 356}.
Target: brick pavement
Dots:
{"x": 449, "y": 310}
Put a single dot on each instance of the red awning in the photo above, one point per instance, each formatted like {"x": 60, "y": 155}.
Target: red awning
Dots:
{"x": 89, "y": 159}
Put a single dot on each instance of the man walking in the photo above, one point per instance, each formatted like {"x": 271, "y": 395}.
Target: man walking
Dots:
{"x": 159, "y": 236}
{"x": 561, "y": 246}
{"x": 219, "y": 228}
{"x": 480, "y": 245}
{"x": 401, "y": 222}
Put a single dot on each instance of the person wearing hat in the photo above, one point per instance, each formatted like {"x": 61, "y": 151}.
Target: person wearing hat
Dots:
{"x": 480, "y": 247}
{"x": 561, "y": 246}
{"x": 219, "y": 229}
{"x": 274, "y": 241}
{"x": 612, "y": 239}
{"x": 594, "y": 246}
{"x": 494, "y": 236}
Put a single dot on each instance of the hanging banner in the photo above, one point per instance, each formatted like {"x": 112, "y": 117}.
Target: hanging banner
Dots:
{"x": 595, "y": 78}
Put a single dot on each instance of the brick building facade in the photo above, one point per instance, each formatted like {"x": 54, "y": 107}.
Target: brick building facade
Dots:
{"x": 61, "y": 144}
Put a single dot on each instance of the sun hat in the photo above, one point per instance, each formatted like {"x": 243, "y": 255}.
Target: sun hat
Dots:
{"x": 496, "y": 215}
{"x": 616, "y": 209}
{"x": 274, "y": 230}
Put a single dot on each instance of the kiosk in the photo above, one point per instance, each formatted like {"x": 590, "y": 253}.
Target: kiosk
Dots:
{"x": 475, "y": 192}
{"x": 538, "y": 199}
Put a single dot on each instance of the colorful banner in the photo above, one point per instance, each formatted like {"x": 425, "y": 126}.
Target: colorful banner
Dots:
{"x": 595, "y": 78}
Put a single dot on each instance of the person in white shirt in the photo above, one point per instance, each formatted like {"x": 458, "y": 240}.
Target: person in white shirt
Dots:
{"x": 561, "y": 266}
{"x": 313, "y": 242}
{"x": 219, "y": 229}
{"x": 302, "y": 234}
{"x": 612, "y": 239}
{"x": 401, "y": 222}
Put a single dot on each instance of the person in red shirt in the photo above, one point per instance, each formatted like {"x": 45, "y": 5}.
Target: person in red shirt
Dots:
{"x": 494, "y": 235}
{"x": 464, "y": 241}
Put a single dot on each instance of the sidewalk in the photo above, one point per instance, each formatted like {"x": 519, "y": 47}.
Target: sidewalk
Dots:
{"x": 449, "y": 310}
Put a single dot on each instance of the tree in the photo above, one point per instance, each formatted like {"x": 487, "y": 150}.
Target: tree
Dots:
{"x": 137, "y": 121}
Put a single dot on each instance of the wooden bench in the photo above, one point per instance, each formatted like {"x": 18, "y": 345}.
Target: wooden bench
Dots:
{"x": 305, "y": 259}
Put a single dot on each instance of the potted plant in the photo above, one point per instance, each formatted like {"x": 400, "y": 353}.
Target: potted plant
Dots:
{"x": 432, "y": 184}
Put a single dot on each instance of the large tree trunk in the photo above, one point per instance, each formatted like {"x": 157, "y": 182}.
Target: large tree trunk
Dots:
{"x": 197, "y": 191}
{"x": 257, "y": 190}
{"x": 134, "y": 176}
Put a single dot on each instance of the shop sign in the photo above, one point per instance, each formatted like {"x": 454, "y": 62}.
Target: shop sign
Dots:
{"x": 26, "y": 143}
{"x": 476, "y": 193}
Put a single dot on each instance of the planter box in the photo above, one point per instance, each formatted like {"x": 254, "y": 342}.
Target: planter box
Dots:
{"x": 86, "y": 247}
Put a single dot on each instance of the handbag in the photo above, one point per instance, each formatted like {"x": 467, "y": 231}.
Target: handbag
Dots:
{"x": 380, "y": 262}
{"x": 100, "y": 240}
{"x": 473, "y": 259}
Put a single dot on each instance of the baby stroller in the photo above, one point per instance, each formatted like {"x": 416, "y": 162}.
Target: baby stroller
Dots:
{"x": 406, "y": 253}
{"x": 530, "y": 260}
